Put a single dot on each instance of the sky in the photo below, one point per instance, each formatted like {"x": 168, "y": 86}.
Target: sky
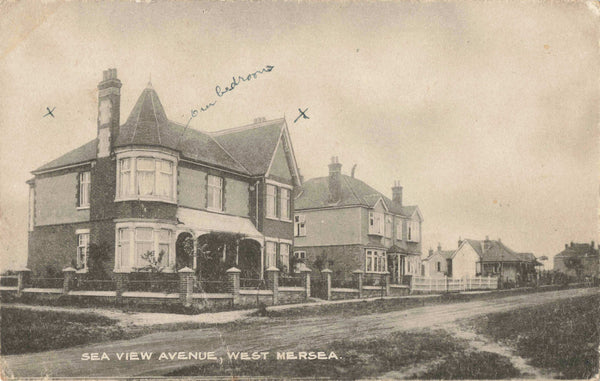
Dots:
{"x": 486, "y": 112}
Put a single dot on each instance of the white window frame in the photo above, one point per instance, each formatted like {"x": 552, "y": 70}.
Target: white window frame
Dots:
{"x": 301, "y": 254}
{"x": 85, "y": 182}
{"x": 285, "y": 204}
{"x": 389, "y": 221}
{"x": 376, "y": 223}
{"x": 131, "y": 173}
{"x": 135, "y": 261}
{"x": 284, "y": 256}
{"x": 399, "y": 228}
{"x": 413, "y": 231}
{"x": 270, "y": 256}
{"x": 83, "y": 236}
{"x": 271, "y": 201}
{"x": 300, "y": 225}
{"x": 214, "y": 193}
{"x": 375, "y": 261}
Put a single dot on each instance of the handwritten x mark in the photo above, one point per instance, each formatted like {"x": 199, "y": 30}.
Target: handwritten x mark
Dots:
{"x": 302, "y": 114}
{"x": 49, "y": 112}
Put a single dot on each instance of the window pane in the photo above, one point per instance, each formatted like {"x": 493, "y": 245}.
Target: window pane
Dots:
{"x": 124, "y": 239}
{"x": 145, "y": 183}
{"x": 271, "y": 200}
{"x": 145, "y": 164}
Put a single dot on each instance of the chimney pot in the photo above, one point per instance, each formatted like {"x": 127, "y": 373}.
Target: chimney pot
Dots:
{"x": 592, "y": 244}
{"x": 566, "y": 245}
{"x": 439, "y": 246}
{"x": 571, "y": 243}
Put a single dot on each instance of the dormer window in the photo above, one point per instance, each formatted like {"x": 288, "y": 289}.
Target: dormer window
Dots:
{"x": 146, "y": 176}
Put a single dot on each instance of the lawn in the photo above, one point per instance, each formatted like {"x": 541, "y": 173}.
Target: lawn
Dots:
{"x": 25, "y": 330}
{"x": 561, "y": 337}
{"x": 399, "y": 352}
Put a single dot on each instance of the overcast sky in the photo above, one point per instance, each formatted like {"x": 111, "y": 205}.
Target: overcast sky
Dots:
{"x": 487, "y": 113}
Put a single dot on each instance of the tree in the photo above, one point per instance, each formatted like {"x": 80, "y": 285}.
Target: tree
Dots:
{"x": 575, "y": 264}
{"x": 154, "y": 261}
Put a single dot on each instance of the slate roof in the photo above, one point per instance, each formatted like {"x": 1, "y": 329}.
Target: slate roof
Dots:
{"x": 79, "y": 155}
{"x": 446, "y": 254}
{"x": 246, "y": 150}
{"x": 354, "y": 192}
{"x": 496, "y": 251}
{"x": 252, "y": 145}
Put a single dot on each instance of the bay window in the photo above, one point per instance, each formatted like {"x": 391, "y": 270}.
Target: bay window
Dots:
{"x": 144, "y": 245}
{"x": 146, "y": 175}
{"x": 413, "y": 231}
{"x": 376, "y": 223}
{"x": 376, "y": 261}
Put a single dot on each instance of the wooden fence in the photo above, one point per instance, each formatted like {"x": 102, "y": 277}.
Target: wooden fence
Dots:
{"x": 445, "y": 284}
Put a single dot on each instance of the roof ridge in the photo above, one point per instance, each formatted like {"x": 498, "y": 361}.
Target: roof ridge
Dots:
{"x": 155, "y": 118}
{"x": 243, "y": 128}
{"x": 359, "y": 198}
{"x": 137, "y": 120}
{"x": 228, "y": 154}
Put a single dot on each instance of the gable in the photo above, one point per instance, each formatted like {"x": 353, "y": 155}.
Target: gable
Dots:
{"x": 380, "y": 206}
{"x": 466, "y": 251}
{"x": 279, "y": 166}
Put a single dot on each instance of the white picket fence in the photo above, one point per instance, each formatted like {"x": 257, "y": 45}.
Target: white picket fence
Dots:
{"x": 445, "y": 284}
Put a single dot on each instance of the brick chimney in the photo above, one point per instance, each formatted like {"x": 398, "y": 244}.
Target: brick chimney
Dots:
{"x": 459, "y": 241}
{"x": 397, "y": 193}
{"x": 335, "y": 180}
{"x": 592, "y": 245}
{"x": 109, "y": 104}
{"x": 430, "y": 252}
{"x": 439, "y": 246}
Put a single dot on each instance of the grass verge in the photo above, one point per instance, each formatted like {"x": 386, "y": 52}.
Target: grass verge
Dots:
{"x": 25, "y": 331}
{"x": 399, "y": 352}
{"x": 561, "y": 337}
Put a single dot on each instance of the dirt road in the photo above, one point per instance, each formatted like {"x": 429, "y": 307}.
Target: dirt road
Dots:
{"x": 300, "y": 334}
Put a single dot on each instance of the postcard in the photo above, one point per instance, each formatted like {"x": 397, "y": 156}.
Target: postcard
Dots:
{"x": 299, "y": 190}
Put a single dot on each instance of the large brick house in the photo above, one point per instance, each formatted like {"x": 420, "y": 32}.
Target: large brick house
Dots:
{"x": 150, "y": 184}
{"x": 578, "y": 259}
{"x": 344, "y": 224}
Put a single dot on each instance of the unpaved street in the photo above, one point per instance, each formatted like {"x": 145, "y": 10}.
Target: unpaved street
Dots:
{"x": 275, "y": 334}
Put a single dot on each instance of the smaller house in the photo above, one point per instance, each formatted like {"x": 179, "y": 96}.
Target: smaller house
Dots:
{"x": 491, "y": 258}
{"x": 436, "y": 263}
{"x": 578, "y": 259}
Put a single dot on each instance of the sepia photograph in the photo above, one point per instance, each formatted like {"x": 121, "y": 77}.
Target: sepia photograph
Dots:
{"x": 342, "y": 190}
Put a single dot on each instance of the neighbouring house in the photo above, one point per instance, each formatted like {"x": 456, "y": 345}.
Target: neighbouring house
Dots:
{"x": 491, "y": 258}
{"x": 436, "y": 263}
{"x": 578, "y": 259}
{"x": 153, "y": 192}
{"x": 344, "y": 224}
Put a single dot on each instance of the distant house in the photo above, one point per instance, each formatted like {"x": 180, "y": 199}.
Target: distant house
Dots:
{"x": 436, "y": 263}
{"x": 491, "y": 257}
{"x": 154, "y": 189}
{"x": 344, "y": 224}
{"x": 578, "y": 259}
